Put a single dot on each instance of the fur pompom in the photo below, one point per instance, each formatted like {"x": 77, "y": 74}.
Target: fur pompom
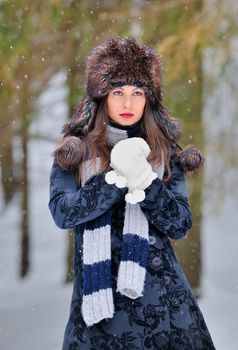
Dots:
{"x": 190, "y": 159}
{"x": 113, "y": 178}
{"x": 110, "y": 177}
{"x": 68, "y": 154}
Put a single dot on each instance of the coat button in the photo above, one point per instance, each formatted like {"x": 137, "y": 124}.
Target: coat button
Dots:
{"x": 156, "y": 261}
{"x": 167, "y": 280}
{"x": 174, "y": 301}
{"x": 152, "y": 240}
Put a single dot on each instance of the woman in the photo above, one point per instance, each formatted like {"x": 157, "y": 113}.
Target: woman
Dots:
{"x": 118, "y": 182}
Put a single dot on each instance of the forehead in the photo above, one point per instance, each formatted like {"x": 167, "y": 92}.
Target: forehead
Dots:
{"x": 128, "y": 87}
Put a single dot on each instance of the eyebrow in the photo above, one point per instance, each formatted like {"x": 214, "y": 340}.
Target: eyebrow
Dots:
{"x": 119, "y": 87}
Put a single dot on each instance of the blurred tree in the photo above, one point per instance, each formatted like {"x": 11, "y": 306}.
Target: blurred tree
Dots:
{"x": 180, "y": 32}
{"x": 28, "y": 61}
{"x": 37, "y": 39}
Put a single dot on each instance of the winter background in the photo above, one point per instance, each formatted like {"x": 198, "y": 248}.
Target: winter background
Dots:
{"x": 37, "y": 97}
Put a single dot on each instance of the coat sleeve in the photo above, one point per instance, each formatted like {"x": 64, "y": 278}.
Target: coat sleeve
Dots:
{"x": 166, "y": 205}
{"x": 70, "y": 205}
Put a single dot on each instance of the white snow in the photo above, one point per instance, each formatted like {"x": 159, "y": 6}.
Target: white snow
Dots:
{"x": 34, "y": 310}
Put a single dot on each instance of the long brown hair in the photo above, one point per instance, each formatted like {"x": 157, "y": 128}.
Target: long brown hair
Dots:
{"x": 95, "y": 144}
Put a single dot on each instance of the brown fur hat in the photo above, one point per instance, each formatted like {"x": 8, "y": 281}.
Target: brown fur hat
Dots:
{"x": 117, "y": 62}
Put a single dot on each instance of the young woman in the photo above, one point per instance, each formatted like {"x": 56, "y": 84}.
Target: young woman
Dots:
{"x": 118, "y": 181}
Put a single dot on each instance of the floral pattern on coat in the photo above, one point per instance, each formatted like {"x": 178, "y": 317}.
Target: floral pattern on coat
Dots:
{"x": 167, "y": 316}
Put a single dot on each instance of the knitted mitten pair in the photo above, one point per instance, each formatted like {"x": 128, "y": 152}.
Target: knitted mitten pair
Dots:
{"x": 131, "y": 168}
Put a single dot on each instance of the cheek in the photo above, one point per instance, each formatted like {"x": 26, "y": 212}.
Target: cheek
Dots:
{"x": 109, "y": 106}
{"x": 112, "y": 107}
{"x": 141, "y": 106}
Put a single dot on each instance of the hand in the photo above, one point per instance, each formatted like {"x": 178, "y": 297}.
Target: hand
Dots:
{"x": 131, "y": 169}
{"x": 128, "y": 158}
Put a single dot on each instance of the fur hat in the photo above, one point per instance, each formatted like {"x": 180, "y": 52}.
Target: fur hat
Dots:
{"x": 118, "y": 62}
{"x": 123, "y": 61}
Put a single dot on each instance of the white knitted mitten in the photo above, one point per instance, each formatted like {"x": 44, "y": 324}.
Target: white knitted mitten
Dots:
{"x": 131, "y": 169}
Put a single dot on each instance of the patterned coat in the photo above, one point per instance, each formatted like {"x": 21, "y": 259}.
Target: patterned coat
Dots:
{"x": 167, "y": 316}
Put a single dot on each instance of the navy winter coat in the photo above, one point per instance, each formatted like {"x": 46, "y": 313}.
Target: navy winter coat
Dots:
{"x": 167, "y": 316}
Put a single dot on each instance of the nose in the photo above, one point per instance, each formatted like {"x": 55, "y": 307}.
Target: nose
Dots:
{"x": 127, "y": 103}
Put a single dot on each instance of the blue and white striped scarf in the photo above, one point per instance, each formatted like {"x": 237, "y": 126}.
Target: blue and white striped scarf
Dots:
{"x": 97, "y": 303}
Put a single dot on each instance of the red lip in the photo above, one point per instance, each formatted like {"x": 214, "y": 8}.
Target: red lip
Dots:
{"x": 126, "y": 115}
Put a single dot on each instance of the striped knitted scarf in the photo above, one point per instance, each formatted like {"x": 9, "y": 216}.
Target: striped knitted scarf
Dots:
{"x": 97, "y": 303}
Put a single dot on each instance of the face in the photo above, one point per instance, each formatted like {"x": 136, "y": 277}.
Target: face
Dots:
{"x": 125, "y": 104}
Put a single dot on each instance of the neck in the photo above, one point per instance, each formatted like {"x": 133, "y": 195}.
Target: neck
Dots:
{"x": 117, "y": 132}
{"x": 125, "y": 127}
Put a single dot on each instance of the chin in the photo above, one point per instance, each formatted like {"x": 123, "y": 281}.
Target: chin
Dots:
{"x": 127, "y": 121}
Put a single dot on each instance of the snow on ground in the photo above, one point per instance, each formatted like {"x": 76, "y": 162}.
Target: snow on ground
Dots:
{"x": 220, "y": 274}
{"x": 34, "y": 311}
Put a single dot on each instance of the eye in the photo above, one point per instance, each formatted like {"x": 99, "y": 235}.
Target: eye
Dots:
{"x": 117, "y": 92}
{"x": 138, "y": 93}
